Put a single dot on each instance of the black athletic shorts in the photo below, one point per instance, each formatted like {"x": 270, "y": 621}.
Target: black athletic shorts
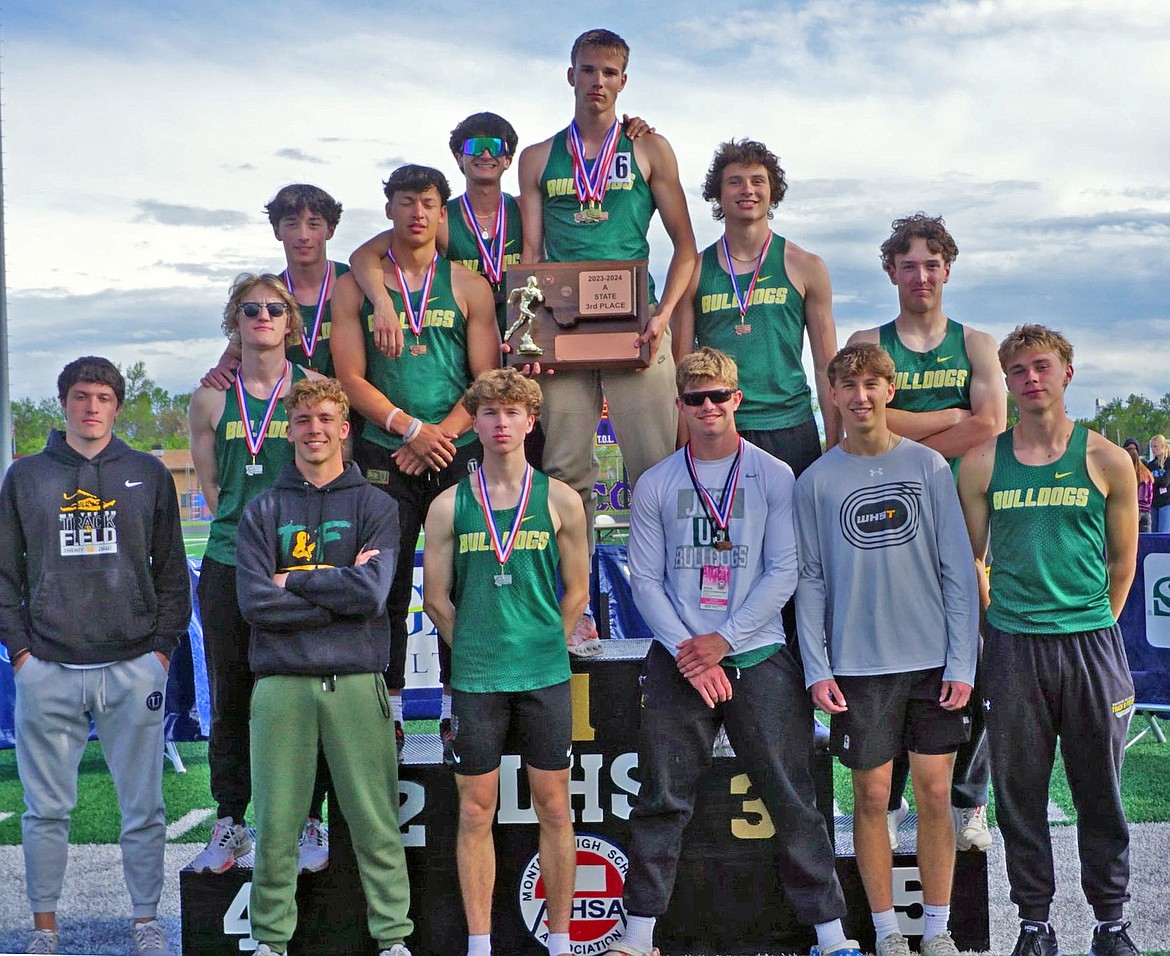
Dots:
{"x": 890, "y": 713}
{"x": 538, "y": 722}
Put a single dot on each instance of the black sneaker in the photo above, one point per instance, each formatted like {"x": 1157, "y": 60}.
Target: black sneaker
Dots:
{"x": 399, "y": 738}
{"x": 447, "y": 735}
{"x": 1036, "y": 939}
{"x": 1113, "y": 940}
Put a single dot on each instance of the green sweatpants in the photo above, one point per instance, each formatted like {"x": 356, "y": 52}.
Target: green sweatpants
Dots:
{"x": 353, "y": 723}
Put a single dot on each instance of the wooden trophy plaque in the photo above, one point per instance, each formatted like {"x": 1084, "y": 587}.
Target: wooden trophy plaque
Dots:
{"x": 586, "y": 315}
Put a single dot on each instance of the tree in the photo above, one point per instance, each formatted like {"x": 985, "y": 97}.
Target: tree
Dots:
{"x": 1134, "y": 417}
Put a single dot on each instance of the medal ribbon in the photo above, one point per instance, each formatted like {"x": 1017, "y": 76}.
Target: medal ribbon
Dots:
{"x": 590, "y": 183}
{"x": 415, "y": 318}
{"x": 310, "y": 342}
{"x": 491, "y": 257}
{"x": 744, "y": 300}
{"x": 719, "y": 514}
{"x": 504, "y": 552}
{"x": 254, "y": 440}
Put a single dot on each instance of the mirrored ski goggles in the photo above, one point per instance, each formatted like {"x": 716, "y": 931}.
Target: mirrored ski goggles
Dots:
{"x": 477, "y": 144}
{"x": 717, "y": 395}
{"x": 252, "y": 309}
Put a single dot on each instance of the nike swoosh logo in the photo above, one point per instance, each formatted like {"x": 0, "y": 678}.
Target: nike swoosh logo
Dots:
{"x": 133, "y": 484}
{"x": 944, "y": 358}
{"x": 1063, "y": 474}
{"x": 455, "y": 757}
{"x": 526, "y": 518}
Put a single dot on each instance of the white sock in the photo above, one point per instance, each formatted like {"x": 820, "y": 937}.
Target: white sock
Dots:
{"x": 639, "y": 933}
{"x": 479, "y": 945}
{"x": 830, "y": 934}
{"x": 396, "y": 706}
{"x": 936, "y": 919}
{"x": 885, "y": 924}
{"x": 445, "y": 706}
{"x": 558, "y": 943}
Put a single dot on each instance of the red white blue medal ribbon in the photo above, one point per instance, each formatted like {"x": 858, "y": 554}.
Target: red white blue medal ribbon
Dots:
{"x": 492, "y": 257}
{"x": 309, "y": 342}
{"x": 255, "y": 439}
{"x": 590, "y": 184}
{"x": 743, "y": 300}
{"x": 504, "y": 551}
{"x": 413, "y": 317}
{"x": 718, "y": 512}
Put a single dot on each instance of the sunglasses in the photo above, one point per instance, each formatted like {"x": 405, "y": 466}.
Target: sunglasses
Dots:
{"x": 252, "y": 309}
{"x": 477, "y": 144}
{"x": 717, "y": 395}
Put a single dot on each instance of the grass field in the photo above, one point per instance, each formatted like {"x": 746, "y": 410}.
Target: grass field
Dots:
{"x": 195, "y": 537}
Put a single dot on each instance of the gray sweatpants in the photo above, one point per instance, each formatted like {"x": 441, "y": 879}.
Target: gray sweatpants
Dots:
{"x": 53, "y": 708}
{"x": 1075, "y": 688}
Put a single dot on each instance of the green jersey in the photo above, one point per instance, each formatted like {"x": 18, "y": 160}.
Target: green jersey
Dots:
{"x": 462, "y": 247}
{"x": 767, "y": 342}
{"x": 322, "y": 358}
{"x": 628, "y": 204}
{"x": 240, "y": 476}
{"x": 930, "y": 381}
{"x": 432, "y": 372}
{"x": 508, "y": 637}
{"x": 1051, "y": 578}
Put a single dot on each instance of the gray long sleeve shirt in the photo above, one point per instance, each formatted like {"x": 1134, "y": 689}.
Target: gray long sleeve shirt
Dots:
{"x": 887, "y": 582}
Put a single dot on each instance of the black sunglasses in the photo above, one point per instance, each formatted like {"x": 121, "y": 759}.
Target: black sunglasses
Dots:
{"x": 717, "y": 395}
{"x": 252, "y": 309}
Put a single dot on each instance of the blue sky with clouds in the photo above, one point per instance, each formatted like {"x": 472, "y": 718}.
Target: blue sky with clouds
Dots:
{"x": 141, "y": 143}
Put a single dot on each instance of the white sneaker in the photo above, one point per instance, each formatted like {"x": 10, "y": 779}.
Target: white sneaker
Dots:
{"x": 265, "y": 950}
{"x": 43, "y": 941}
{"x": 584, "y": 642}
{"x": 313, "y": 851}
{"x": 894, "y": 819}
{"x": 941, "y": 945}
{"x": 893, "y": 945}
{"x": 149, "y": 939}
{"x": 971, "y": 831}
{"x": 398, "y": 949}
{"x": 229, "y": 841}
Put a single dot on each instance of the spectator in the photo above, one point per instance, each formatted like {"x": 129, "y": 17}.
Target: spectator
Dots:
{"x": 1145, "y": 480}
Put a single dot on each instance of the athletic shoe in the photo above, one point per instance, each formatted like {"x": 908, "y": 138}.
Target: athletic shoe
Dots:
{"x": 583, "y": 642}
{"x": 229, "y": 841}
{"x": 971, "y": 831}
{"x": 894, "y": 819}
{"x": 848, "y": 947}
{"x": 447, "y": 736}
{"x": 941, "y": 945}
{"x": 399, "y": 739}
{"x": 398, "y": 949}
{"x": 265, "y": 950}
{"x": 149, "y": 939}
{"x": 1113, "y": 940}
{"x": 1036, "y": 939}
{"x": 43, "y": 941}
{"x": 621, "y": 948}
{"x": 893, "y": 945}
{"x": 313, "y": 849}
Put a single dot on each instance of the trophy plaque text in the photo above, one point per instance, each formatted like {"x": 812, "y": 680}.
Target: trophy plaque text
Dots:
{"x": 568, "y": 315}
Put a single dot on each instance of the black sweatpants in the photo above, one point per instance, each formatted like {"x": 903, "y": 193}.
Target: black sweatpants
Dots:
{"x": 1077, "y": 688}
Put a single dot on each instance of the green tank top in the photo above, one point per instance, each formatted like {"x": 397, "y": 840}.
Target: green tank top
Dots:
{"x": 775, "y": 389}
{"x": 628, "y": 201}
{"x": 426, "y": 385}
{"x": 462, "y": 248}
{"x": 236, "y": 486}
{"x": 930, "y": 381}
{"x": 322, "y": 358}
{"x": 1051, "y": 578}
{"x": 506, "y": 638}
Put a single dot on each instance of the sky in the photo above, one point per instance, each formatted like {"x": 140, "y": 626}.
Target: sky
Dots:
{"x": 141, "y": 142}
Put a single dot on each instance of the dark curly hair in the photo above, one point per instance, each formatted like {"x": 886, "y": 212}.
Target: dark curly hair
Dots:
{"x": 745, "y": 152}
{"x": 919, "y": 226}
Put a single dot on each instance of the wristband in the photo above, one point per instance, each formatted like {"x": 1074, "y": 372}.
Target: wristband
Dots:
{"x": 390, "y": 417}
{"x": 413, "y": 430}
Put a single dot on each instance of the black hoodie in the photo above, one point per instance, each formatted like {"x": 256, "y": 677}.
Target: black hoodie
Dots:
{"x": 92, "y": 567}
{"x": 330, "y": 617}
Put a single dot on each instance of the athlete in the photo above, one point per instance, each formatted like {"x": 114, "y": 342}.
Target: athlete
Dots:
{"x": 1065, "y": 501}
{"x": 589, "y": 193}
{"x": 494, "y": 544}
{"x": 755, "y": 296}
{"x": 303, "y": 219}
{"x": 94, "y": 599}
{"x": 238, "y": 446}
{"x": 315, "y": 558}
{"x": 948, "y": 395}
{"x": 712, "y": 560}
{"x": 416, "y": 439}
{"x": 888, "y": 615}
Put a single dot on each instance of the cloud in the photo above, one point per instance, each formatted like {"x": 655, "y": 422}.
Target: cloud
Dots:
{"x": 171, "y": 214}
{"x": 299, "y": 155}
